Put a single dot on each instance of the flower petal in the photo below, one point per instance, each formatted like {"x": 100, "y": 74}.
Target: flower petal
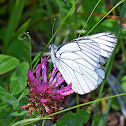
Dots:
{"x": 44, "y": 100}
{"x": 44, "y": 70}
{"x": 35, "y": 90}
{"x": 53, "y": 75}
{"x": 60, "y": 81}
{"x": 67, "y": 88}
{"x": 67, "y": 93}
{"x": 62, "y": 89}
{"x": 43, "y": 88}
{"x": 55, "y": 80}
{"x": 57, "y": 97}
{"x": 38, "y": 74}
{"x": 53, "y": 91}
{"x": 32, "y": 79}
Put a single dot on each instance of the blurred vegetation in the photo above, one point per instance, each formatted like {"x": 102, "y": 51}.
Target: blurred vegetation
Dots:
{"x": 26, "y": 27}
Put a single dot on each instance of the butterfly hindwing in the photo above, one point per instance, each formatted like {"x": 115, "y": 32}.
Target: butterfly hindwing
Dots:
{"x": 106, "y": 40}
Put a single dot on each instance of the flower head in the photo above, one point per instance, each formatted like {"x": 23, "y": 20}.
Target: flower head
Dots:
{"x": 44, "y": 92}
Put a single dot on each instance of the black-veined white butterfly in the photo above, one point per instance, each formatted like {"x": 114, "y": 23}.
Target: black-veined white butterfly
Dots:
{"x": 81, "y": 60}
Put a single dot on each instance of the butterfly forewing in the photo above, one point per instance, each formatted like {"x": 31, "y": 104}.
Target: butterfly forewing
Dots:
{"x": 78, "y": 65}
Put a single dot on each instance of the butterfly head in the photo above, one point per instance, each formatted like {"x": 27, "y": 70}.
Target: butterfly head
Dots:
{"x": 52, "y": 47}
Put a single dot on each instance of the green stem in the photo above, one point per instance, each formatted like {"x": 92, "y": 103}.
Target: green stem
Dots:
{"x": 74, "y": 107}
{"x": 77, "y": 99}
{"x": 54, "y": 34}
{"x": 120, "y": 2}
{"x": 89, "y": 17}
{"x": 43, "y": 122}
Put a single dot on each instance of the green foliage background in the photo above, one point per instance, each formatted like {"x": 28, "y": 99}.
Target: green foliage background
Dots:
{"x": 25, "y": 24}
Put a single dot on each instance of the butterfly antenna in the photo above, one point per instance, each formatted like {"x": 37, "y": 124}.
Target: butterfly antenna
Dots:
{"x": 43, "y": 44}
{"x": 53, "y": 26}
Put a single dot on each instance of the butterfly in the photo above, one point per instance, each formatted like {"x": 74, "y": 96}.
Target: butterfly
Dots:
{"x": 81, "y": 60}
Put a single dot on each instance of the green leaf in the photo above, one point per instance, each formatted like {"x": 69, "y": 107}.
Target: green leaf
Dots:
{"x": 14, "y": 20}
{"x": 19, "y": 113}
{"x": 26, "y": 91}
{"x": 5, "y": 96}
{"x": 18, "y": 80}
{"x": 23, "y": 28}
{"x": 3, "y": 105}
{"x": 65, "y": 5}
{"x": 123, "y": 82}
{"x": 7, "y": 63}
{"x": 87, "y": 8}
{"x": 88, "y": 5}
{"x": 5, "y": 122}
{"x": 20, "y": 49}
{"x": 22, "y": 96}
{"x": 2, "y": 33}
{"x": 74, "y": 119}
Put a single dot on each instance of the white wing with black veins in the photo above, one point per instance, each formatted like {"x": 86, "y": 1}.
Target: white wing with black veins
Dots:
{"x": 80, "y": 61}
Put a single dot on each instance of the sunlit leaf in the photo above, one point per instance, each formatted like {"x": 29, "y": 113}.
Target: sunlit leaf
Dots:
{"x": 123, "y": 82}
{"x": 74, "y": 119}
{"x": 7, "y": 63}
{"x": 20, "y": 49}
{"x": 6, "y": 96}
{"x": 19, "y": 113}
{"x": 18, "y": 80}
{"x": 4, "y": 122}
{"x": 13, "y": 22}
{"x": 66, "y": 5}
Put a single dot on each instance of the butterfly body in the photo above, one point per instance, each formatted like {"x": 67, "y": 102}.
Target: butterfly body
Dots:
{"x": 80, "y": 61}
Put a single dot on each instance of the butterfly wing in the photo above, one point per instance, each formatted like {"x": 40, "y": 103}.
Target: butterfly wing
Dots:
{"x": 107, "y": 42}
{"x": 80, "y": 61}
